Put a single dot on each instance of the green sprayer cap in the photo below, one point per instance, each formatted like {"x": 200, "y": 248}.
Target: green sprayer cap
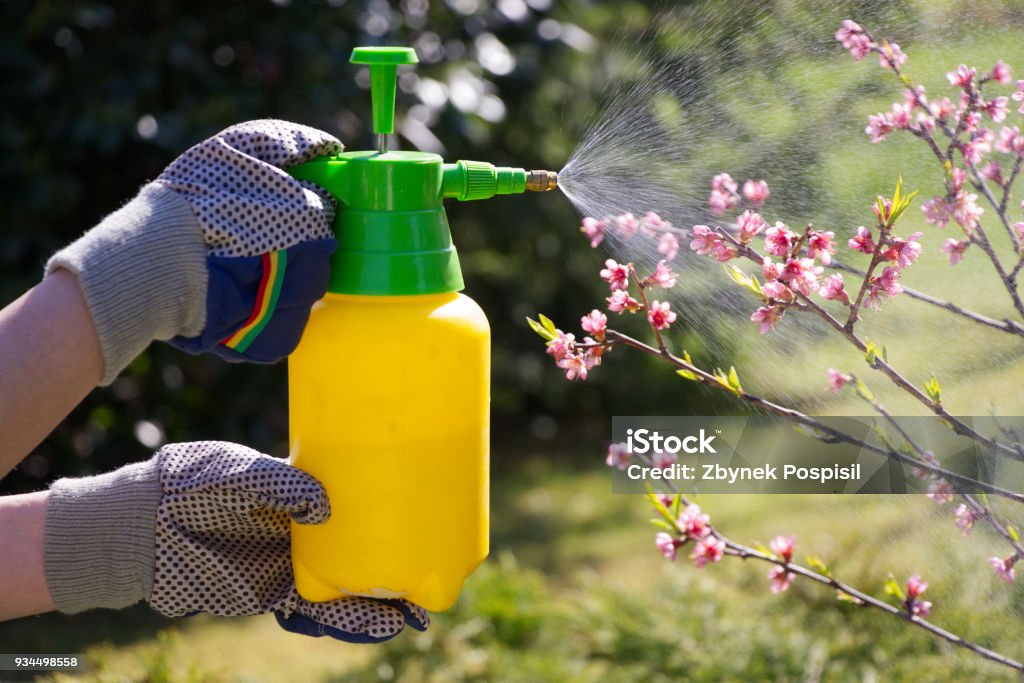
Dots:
{"x": 392, "y": 231}
{"x": 383, "y": 63}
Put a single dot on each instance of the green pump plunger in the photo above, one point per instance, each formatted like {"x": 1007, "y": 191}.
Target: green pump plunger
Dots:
{"x": 392, "y": 231}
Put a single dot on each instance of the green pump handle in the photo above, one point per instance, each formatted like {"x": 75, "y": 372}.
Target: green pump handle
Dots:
{"x": 392, "y": 232}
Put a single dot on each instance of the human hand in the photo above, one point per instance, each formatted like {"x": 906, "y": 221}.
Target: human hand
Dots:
{"x": 223, "y": 252}
{"x": 201, "y": 527}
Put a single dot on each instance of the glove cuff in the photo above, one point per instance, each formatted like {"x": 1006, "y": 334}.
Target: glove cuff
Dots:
{"x": 99, "y": 538}
{"x": 143, "y": 274}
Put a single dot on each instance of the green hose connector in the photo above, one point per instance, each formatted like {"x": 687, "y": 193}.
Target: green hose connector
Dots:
{"x": 469, "y": 180}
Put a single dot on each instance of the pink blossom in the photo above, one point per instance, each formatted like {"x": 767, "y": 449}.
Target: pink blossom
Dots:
{"x": 694, "y": 523}
{"x": 862, "y": 241}
{"x": 879, "y": 126}
{"x": 783, "y": 546}
{"x": 911, "y": 97}
{"x": 723, "y": 194}
{"x": 942, "y": 109}
{"x": 596, "y": 323}
{"x": 575, "y": 366}
{"x": 750, "y": 224}
{"x": 592, "y": 354}
{"x": 1004, "y": 568}
{"x": 666, "y": 545}
{"x": 756, "y": 192}
{"x": 1018, "y": 95}
{"x": 997, "y": 108}
{"x": 704, "y": 238}
{"x": 837, "y": 380}
{"x": 662, "y": 276}
{"x": 562, "y": 345}
{"x": 940, "y": 491}
{"x": 972, "y": 120}
{"x": 781, "y": 578}
{"x": 708, "y": 549}
{"x": 966, "y": 211}
{"x": 900, "y": 116}
{"x": 936, "y": 211}
{"x": 723, "y": 251}
{"x": 770, "y": 270}
{"x": 852, "y": 37}
{"x": 819, "y": 244}
{"x": 916, "y": 586}
{"x": 954, "y": 249}
{"x": 627, "y": 224}
{"x": 778, "y": 291}
{"x": 834, "y": 289}
{"x": 620, "y": 301}
{"x": 651, "y": 223}
{"x": 891, "y": 56}
{"x": 767, "y": 317}
{"x": 660, "y": 315}
{"x": 615, "y": 274}
{"x": 886, "y": 284}
{"x": 962, "y": 77}
{"x": 1011, "y": 141}
{"x": 925, "y": 122}
{"x": 965, "y": 518}
{"x": 1001, "y": 73}
{"x": 958, "y": 177}
{"x": 801, "y": 274}
{"x": 724, "y": 183}
{"x": 619, "y": 456}
{"x": 661, "y": 460}
{"x": 668, "y": 245}
{"x": 992, "y": 171}
{"x": 890, "y": 281}
{"x": 778, "y": 240}
{"x": 719, "y": 202}
{"x": 904, "y": 251}
{"x": 594, "y": 230}
{"x": 1019, "y": 229}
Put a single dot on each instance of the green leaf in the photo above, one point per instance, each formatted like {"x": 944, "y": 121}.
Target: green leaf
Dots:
{"x": 687, "y": 374}
{"x": 748, "y": 282}
{"x": 734, "y": 380}
{"x": 1013, "y": 533}
{"x": 546, "y": 322}
{"x": 871, "y": 352}
{"x": 933, "y": 389}
{"x": 540, "y": 329}
{"x": 862, "y": 389}
{"x": 818, "y": 565}
{"x": 894, "y": 589}
{"x": 662, "y": 524}
{"x": 760, "y": 547}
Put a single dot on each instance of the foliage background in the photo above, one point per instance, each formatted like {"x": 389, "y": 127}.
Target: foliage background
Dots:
{"x": 99, "y": 96}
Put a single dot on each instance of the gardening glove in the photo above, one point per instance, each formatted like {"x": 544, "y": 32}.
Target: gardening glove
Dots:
{"x": 201, "y": 527}
{"x": 223, "y": 252}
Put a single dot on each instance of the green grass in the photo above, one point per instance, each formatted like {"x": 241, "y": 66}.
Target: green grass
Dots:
{"x": 576, "y": 591}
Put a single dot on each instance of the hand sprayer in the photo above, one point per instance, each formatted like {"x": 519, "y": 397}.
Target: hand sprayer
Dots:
{"x": 389, "y": 388}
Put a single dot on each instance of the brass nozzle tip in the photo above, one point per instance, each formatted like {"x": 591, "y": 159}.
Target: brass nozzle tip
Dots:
{"x": 541, "y": 181}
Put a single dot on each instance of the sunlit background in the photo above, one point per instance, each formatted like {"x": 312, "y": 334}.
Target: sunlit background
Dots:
{"x": 655, "y": 97}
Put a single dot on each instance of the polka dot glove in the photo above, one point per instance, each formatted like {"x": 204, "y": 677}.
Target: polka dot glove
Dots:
{"x": 223, "y": 252}
{"x": 201, "y": 527}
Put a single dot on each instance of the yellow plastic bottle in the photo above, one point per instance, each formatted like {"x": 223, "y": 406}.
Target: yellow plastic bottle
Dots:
{"x": 389, "y": 410}
{"x": 389, "y": 386}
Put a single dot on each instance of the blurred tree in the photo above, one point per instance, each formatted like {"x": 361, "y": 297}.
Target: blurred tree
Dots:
{"x": 100, "y": 96}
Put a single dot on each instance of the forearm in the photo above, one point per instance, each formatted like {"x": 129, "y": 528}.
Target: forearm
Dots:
{"x": 49, "y": 360}
{"x": 23, "y": 589}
